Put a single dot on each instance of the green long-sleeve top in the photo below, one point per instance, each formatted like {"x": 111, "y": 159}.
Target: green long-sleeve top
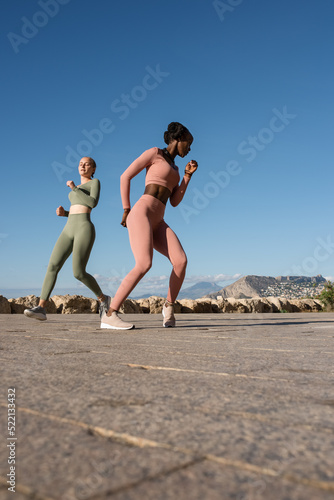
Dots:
{"x": 87, "y": 194}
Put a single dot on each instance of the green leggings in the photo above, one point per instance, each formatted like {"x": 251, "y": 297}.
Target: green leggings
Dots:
{"x": 78, "y": 237}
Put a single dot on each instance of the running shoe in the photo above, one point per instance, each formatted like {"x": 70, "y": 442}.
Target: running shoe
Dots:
{"x": 168, "y": 315}
{"x": 114, "y": 322}
{"x": 37, "y": 312}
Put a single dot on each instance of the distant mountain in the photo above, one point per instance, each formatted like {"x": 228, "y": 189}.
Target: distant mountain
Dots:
{"x": 193, "y": 292}
{"x": 264, "y": 286}
{"x": 145, "y": 296}
{"x": 199, "y": 290}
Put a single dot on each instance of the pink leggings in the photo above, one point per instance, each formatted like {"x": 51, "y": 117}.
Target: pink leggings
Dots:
{"x": 148, "y": 231}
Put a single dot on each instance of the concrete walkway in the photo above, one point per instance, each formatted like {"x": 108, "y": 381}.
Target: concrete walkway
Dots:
{"x": 225, "y": 406}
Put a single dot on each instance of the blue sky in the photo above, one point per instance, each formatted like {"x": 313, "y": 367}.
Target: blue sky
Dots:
{"x": 252, "y": 80}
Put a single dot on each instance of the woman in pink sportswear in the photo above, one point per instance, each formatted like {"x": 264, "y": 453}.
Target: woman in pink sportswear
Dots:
{"x": 145, "y": 223}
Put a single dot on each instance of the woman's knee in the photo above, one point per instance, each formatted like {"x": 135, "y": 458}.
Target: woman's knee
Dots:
{"x": 143, "y": 267}
{"x": 79, "y": 274}
{"x": 53, "y": 268}
{"x": 181, "y": 263}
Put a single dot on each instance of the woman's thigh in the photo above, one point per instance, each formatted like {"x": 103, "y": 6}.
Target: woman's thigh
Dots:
{"x": 140, "y": 234}
{"x": 62, "y": 249}
{"x": 167, "y": 243}
{"x": 84, "y": 238}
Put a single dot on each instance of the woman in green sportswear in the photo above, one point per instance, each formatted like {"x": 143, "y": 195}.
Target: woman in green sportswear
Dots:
{"x": 77, "y": 237}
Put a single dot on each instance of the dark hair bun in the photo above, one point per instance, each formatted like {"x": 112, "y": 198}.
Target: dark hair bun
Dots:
{"x": 175, "y": 130}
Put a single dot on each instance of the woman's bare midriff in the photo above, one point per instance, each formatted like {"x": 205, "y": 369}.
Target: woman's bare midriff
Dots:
{"x": 161, "y": 193}
{"x": 80, "y": 209}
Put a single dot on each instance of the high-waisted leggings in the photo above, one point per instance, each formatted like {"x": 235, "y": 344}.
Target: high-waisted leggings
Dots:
{"x": 148, "y": 231}
{"x": 78, "y": 237}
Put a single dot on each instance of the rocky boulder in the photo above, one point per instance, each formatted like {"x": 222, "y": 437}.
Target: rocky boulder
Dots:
{"x": 131, "y": 307}
{"x": 232, "y": 305}
{"x": 314, "y": 303}
{"x": 285, "y": 305}
{"x": 225, "y": 306}
{"x": 260, "y": 305}
{"x": 4, "y": 305}
{"x": 156, "y": 303}
{"x": 75, "y": 304}
{"x": 144, "y": 305}
{"x": 277, "y": 304}
{"x": 211, "y": 305}
{"x": 197, "y": 306}
{"x": 305, "y": 305}
{"x": 245, "y": 305}
{"x": 20, "y": 304}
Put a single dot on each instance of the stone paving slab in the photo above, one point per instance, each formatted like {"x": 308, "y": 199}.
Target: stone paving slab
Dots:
{"x": 225, "y": 406}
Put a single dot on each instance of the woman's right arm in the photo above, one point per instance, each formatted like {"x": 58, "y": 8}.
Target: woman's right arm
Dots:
{"x": 144, "y": 160}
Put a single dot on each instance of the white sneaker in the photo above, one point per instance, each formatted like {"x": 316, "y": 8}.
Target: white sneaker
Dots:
{"x": 168, "y": 315}
{"x": 37, "y": 312}
{"x": 114, "y": 322}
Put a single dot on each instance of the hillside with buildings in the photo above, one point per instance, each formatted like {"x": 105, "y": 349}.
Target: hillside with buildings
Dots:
{"x": 290, "y": 287}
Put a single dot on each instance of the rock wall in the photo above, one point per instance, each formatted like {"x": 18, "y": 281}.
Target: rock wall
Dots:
{"x": 17, "y": 306}
{"x": 77, "y": 304}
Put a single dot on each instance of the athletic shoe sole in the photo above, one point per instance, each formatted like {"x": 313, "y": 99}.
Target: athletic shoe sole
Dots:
{"x": 38, "y": 316}
{"x": 109, "y": 327}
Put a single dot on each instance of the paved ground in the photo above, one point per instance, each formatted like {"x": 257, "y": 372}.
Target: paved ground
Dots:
{"x": 225, "y": 406}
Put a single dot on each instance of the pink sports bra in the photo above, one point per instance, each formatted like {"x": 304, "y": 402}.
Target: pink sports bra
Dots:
{"x": 158, "y": 171}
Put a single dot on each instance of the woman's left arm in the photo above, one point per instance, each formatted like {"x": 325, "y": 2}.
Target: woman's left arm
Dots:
{"x": 178, "y": 192}
{"x": 92, "y": 199}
